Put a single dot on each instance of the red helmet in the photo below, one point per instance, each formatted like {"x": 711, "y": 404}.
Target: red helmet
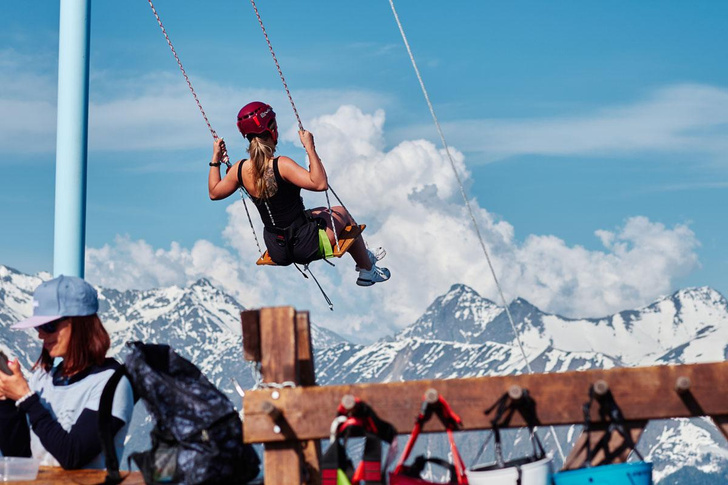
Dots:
{"x": 257, "y": 118}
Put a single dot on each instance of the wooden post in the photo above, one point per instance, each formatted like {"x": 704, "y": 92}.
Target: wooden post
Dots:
{"x": 311, "y": 448}
{"x": 279, "y": 363}
{"x": 280, "y": 339}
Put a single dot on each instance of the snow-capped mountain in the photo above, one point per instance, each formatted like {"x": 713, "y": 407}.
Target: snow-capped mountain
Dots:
{"x": 460, "y": 335}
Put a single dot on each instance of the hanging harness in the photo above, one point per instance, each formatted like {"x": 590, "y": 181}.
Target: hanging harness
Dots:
{"x": 505, "y": 407}
{"x": 360, "y": 420}
{"x": 410, "y": 474}
{"x": 297, "y": 241}
{"x": 609, "y": 412}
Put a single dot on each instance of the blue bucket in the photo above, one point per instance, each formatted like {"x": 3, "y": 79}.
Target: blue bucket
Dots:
{"x": 633, "y": 473}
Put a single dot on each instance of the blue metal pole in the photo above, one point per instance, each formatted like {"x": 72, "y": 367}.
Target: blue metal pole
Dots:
{"x": 72, "y": 137}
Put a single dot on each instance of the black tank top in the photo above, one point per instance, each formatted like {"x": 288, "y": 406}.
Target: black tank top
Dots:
{"x": 285, "y": 205}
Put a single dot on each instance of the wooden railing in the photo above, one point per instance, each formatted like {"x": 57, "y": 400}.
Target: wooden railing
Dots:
{"x": 289, "y": 421}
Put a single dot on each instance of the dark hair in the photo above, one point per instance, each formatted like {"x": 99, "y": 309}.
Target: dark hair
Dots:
{"x": 88, "y": 346}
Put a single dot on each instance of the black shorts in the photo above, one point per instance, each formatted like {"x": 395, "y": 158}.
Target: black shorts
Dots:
{"x": 304, "y": 242}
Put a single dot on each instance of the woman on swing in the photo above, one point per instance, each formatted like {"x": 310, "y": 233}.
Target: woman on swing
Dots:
{"x": 292, "y": 234}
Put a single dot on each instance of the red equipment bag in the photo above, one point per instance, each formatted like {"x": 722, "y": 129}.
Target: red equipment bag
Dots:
{"x": 411, "y": 474}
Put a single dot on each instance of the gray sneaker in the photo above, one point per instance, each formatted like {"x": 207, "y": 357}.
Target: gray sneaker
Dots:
{"x": 374, "y": 256}
{"x": 371, "y": 276}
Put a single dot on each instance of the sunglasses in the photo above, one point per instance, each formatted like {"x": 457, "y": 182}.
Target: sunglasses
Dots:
{"x": 50, "y": 327}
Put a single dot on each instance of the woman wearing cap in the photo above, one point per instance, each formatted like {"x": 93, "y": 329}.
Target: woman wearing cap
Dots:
{"x": 292, "y": 234}
{"x": 53, "y": 416}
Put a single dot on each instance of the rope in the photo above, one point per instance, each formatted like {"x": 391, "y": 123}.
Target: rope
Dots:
{"x": 184, "y": 73}
{"x": 225, "y": 157}
{"x": 326, "y": 297}
{"x": 278, "y": 66}
{"x": 333, "y": 225}
{"x": 467, "y": 204}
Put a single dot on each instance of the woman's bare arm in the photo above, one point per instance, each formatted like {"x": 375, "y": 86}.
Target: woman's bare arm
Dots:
{"x": 312, "y": 179}
{"x": 218, "y": 187}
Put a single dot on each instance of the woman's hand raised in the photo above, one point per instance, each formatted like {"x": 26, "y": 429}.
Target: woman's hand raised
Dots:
{"x": 15, "y": 386}
{"x": 218, "y": 150}
{"x": 307, "y": 140}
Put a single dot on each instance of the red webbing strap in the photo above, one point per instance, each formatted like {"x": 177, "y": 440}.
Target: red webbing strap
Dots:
{"x": 448, "y": 417}
{"x": 328, "y": 477}
{"x": 457, "y": 460}
{"x": 370, "y": 466}
{"x": 408, "y": 447}
{"x": 368, "y": 471}
{"x": 358, "y": 416}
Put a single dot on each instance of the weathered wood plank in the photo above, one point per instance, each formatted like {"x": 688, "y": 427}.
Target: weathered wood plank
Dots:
{"x": 58, "y": 476}
{"x": 279, "y": 363}
{"x": 305, "y": 352}
{"x": 251, "y": 334}
{"x": 642, "y": 394}
{"x": 722, "y": 423}
{"x": 311, "y": 449}
{"x": 279, "y": 352}
{"x": 282, "y": 463}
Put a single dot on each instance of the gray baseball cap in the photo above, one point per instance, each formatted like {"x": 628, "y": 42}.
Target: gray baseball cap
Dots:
{"x": 64, "y": 296}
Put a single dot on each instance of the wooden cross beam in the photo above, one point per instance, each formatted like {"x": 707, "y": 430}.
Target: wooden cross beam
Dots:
{"x": 642, "y": 393}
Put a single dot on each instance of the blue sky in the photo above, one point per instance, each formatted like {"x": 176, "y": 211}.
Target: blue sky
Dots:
{"x": 592, "y": 137}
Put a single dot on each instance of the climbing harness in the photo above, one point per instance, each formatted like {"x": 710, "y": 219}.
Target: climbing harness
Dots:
{"x": 411, "y": 474}
{"x": 358, "y": 419}
{"x": 470, "y": 209}
{"x": 529, "y": 470}
{"x": 631, "y": 473}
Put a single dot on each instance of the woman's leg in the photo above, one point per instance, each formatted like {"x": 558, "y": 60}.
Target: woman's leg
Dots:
{"x": 358, "y": 250}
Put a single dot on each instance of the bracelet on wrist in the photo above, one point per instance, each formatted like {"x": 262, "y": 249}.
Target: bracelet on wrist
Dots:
{"x": 23, "y": 399}
{"x": 215, "y": 164}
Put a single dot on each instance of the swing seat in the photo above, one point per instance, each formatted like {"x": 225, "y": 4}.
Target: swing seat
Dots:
{"x": 347, "y": 236}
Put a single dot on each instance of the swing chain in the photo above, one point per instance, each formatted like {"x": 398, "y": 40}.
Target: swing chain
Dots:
{"x": 275, "y": 59}
{"x": 184, "y": 73}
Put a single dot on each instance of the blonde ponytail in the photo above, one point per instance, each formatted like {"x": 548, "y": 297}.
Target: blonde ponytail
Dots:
{"x": 261, "y": 150}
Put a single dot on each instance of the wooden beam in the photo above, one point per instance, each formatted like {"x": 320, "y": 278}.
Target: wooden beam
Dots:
{"x": 279, "y": 350}
{"x": 282, "y": 461}
{"x": 642, "y": 393}
{"x": 305, "y": 352}
{"x": 722, "y": 423}
{"x": 311, "y": 448}
{"x": 251, "y": 334}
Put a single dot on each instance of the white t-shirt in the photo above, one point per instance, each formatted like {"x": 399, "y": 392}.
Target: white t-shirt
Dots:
{"x": 66, "y": 402}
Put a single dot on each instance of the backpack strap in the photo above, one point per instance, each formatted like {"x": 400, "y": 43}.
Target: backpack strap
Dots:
{"x": 106, "y": 433}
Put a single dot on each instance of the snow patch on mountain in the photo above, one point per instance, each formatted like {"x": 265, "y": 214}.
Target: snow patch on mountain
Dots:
{"x": 460, "y": 335}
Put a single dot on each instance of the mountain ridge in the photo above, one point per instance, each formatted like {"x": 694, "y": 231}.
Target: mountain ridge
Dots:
{"x": 461, "y": 334}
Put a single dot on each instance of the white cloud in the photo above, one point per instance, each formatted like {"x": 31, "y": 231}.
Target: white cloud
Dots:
{"x": 136, "y": 264}
{"x": 410, "y": 199}
{"x": 685, "y": 118}
{"x": 155, "y": 111}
